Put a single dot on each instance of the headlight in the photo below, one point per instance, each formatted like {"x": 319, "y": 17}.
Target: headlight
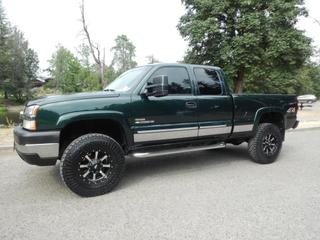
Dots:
{"x": 29, "y": 116}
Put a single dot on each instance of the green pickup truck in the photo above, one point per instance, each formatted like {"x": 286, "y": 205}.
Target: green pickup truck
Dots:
{"x": 153, "y": 110}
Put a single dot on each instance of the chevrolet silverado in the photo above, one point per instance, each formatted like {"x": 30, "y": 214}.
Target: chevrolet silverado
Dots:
{"x": 152, "y": 110}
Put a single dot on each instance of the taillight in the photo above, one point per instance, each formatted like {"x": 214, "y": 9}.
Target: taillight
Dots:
{"x": 297, "y": 108}
{"x": 296, "y": 105}
{"x": 293, "y": 107}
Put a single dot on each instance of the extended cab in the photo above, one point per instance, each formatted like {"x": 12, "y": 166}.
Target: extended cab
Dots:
{"x": 149, "y": 111}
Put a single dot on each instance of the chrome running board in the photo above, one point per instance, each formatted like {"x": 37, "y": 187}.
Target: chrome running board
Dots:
{"x": 176, "y": 151}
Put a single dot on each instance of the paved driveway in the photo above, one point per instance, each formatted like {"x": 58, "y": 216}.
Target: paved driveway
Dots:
{"x": 205, "y": 195}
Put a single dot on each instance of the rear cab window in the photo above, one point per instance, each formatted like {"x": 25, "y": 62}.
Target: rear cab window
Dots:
{"x": 207, "y": 81}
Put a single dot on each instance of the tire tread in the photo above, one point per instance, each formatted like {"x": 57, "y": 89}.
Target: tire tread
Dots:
{"x": 253, "y": 145}
{"x": 72, "y": 185}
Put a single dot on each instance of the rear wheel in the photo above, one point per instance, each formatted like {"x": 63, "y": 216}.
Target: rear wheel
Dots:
{"x": 92, "y": 165}
{"x": 265, "y": 146}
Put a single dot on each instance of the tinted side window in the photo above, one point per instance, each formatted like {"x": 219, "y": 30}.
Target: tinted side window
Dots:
{"x": 208, "y": 81}
{"x": 178, "y": 78}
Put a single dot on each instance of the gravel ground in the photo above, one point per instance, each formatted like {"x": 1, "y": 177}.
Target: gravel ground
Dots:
{"x": 217, "y": 194}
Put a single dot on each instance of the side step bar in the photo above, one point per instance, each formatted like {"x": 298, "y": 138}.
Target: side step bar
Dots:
{"x": 176, "y": 151}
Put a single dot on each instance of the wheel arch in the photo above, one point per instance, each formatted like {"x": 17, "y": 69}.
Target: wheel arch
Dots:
{"x": 270, "y": 115}
{"x": 113, "y": 124}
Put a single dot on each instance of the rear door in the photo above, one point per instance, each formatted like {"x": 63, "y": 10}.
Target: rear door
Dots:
{"x": 168, "y": 118}
{"x": 215, "y": 106}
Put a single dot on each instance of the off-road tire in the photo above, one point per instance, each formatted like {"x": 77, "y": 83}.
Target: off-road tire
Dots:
{"x": 69, "y": 165}
{"x": 255, "y": 145}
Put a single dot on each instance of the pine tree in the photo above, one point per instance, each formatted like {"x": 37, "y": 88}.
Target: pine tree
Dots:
{"x": 124, "y": 53}
{"x": 255, "y": 41}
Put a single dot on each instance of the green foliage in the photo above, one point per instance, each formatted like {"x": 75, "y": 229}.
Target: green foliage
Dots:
{"x": 19, "y": 63}
{"x": 4, "y": 55}
{"x": 68, "y": 73}
{"x": 3, "y": 112}
{"x": 44, "y": 91}
{"x": 89, "y": 74}
{"x": 21, "y": 68}
{"x": 64, "y": 68}
{"x": 84, "y": 55}
{"x": 110, "y": 74}
{"x": 305, "y": 80}
{"x": 255, "y": 41}
{"x": 3, "y": 109}
{"x": 308, "y": 80}
{"x": 124, "y": 53}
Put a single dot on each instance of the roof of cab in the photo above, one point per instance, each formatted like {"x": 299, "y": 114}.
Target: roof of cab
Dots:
{"x": 182, "y": 65}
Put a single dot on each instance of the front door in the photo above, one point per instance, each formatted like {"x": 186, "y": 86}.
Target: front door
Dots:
{"x": 168, "y": 118}
{"x": 215, "y": 107}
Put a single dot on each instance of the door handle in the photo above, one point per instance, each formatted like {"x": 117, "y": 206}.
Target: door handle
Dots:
{"x": 191, "y": 105}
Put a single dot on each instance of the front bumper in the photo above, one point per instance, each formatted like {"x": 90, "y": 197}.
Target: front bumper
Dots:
{"x": 37, "y": 148}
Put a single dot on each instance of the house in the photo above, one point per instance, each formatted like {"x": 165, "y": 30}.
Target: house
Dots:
{"x": 40, "y": 81}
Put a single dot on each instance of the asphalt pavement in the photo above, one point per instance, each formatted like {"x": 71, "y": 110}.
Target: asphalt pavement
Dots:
{"x": 216, "y": 194}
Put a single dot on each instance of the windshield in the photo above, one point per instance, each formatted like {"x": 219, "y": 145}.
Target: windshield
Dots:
{"x": 126, "y": 81}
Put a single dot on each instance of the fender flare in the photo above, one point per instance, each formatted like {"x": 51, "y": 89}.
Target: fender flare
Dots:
{"x": 261, "y": 111}
{"x": 115, "y": 116}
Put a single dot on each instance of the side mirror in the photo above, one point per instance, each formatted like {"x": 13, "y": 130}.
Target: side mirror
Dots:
{"x": 158, "y": 87}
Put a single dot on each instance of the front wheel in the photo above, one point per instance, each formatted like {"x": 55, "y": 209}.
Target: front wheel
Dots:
{"x": 265, "y": 146}
{"x": 92, "y": 165}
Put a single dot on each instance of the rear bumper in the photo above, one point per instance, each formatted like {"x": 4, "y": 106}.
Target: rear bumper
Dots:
{"x": 291, "y": 121}
{"x": 295, "y": 125}
{"x": 37, "y": 148}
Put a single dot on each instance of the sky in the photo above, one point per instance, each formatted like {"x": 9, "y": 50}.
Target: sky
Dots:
{"x": 149, "y": 24}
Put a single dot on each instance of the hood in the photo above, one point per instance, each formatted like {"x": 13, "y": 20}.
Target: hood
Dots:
{"x": 72, "y": 97}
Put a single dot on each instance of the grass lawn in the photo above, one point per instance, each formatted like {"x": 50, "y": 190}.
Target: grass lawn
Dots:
{"x": 9, "y": 111}
{"x": 8, "y": 102}
{"x": 3, "y": 109}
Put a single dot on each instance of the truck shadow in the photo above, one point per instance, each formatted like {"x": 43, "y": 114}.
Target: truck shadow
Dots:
{"x": 139, "y": 169}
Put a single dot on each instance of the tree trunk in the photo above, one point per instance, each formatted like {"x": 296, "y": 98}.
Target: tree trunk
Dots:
{"x": 238, "y": 86}
{"x": 102, "y": 68}
{"x": 101, "y": 77}
{"x": 5, "y": 95}
{"x": 94, "y": 48}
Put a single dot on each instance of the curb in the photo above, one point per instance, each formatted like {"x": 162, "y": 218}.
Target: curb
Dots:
{"x": 304, "y": 129}
{"x": 308, "y": 125}
{"x": 6, "y": 147}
